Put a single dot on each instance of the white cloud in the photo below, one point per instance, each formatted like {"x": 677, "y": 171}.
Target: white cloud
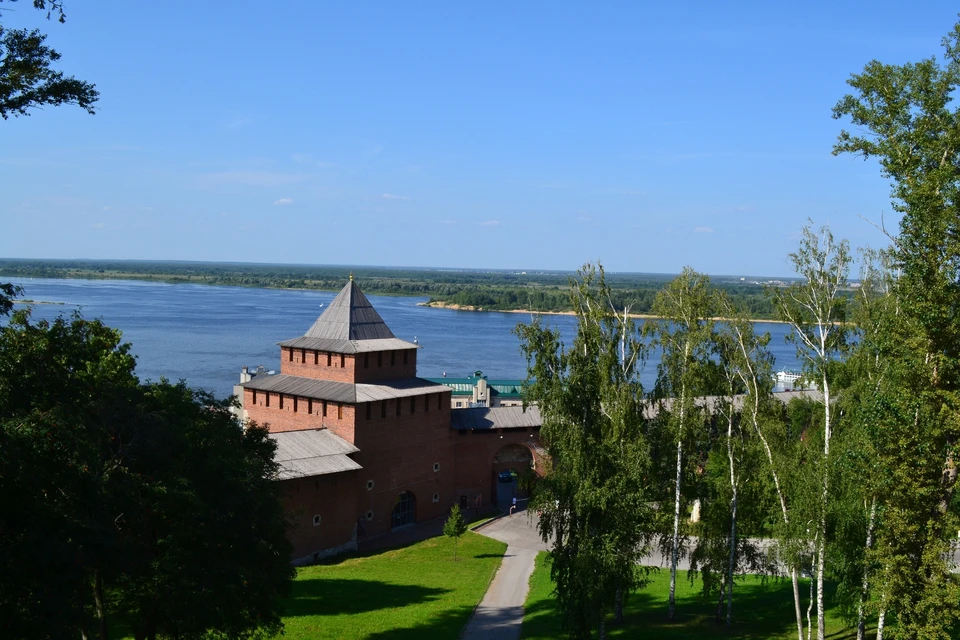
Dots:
{"x": 489, "y": 223}
{"x": 98, "y": 225}
{"x": 283, "y": 201}
{"x": 702, "y": 230}
{"x": 391, "y": 196}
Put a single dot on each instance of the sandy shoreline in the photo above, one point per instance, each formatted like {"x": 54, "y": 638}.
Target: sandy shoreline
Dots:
{"x": 636, "y": 316}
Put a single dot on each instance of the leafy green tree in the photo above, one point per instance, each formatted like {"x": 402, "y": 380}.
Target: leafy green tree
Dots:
{"x": 143, "y": 503}
{"x": 594, "y": 502}
{"x": 27, "y": 80}
{"x": 454, "y": 527}
{"x": 8, "y": 293}
{"x": 683, "y": 336}
{"x": 912, "y": 129}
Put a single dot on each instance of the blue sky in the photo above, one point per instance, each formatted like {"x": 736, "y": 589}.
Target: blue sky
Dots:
{"x": 530, "y": 135}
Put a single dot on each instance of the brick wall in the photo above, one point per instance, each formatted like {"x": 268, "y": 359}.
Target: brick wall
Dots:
{"x": 297, "y": 414}
{"x": 398, "y": 453}
{"x": 332, "y": 497}
{"x": 386, "y": 365}
{"x": 314, "y": 364}
{"x": 360, "y": 367}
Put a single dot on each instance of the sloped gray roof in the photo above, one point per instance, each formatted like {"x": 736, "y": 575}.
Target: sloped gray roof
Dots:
{"x": 348, "y": 346}
{"x": 349, "y": 324}
{"x": 483, "y": 418}
{"x": 350, "y": 317}
{"x": 343, "y": 391}
{"x": 314, "y": 452}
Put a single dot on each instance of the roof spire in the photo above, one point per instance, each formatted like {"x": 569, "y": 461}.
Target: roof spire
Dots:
{"x": 351, "y": 276}
{"x": 350, "y": 316}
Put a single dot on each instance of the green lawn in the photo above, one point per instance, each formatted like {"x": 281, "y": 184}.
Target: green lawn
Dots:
{"x": 418, "y": 592}
{"x": 760, "y": 610}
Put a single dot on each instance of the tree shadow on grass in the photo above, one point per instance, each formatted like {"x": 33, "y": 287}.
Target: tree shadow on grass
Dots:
{"x": 442, "y": 626}
{"x": 325, "y": 596}
{"x": 760, "y": 611}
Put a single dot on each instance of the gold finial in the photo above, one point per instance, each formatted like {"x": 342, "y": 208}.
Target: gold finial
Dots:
{"x": 351, "y": 276}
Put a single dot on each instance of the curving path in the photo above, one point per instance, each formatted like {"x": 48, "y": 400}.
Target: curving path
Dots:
{"x": 500, "y": 613}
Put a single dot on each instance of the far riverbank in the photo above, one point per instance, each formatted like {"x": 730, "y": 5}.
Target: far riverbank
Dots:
{"x": 435, "y": 304}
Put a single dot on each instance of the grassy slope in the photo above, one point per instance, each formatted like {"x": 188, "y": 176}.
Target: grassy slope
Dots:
{"x": 418, "y": 591}
{"x": 760, "y": 610}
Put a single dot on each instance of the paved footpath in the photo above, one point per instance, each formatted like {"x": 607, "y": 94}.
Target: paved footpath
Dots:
{"x": 500, "y": 613}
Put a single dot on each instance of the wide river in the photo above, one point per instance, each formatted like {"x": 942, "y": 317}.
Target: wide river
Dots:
{"x": 203, "y": 334}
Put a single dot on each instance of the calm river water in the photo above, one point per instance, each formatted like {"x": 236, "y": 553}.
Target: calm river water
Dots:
{"x": 204, "y": 334}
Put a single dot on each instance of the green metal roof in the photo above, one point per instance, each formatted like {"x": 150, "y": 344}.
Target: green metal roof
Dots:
{"x": 465, "y": 386}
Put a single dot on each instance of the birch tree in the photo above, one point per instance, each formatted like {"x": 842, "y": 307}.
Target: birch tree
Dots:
{"x": 815, "y": 308}
{"x": 735, "y": 466}
{"x": 683, "y": 336}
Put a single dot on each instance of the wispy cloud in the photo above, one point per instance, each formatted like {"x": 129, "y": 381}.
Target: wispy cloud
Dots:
{"x": 489, "y": 223}
{"x": 306, "y": 158}
{"x": 283, "y": 201}
{"x": 393, "y": 196}
{"x": 250, "y": 178}
{"x": 98, "y": 225}
{"x": 631, "y": 193}
{"x": 238, "y": 122}
{"x": 702, "y": 230}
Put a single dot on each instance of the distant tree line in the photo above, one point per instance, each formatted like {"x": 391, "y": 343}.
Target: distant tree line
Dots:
{"x": 487, "y": 290}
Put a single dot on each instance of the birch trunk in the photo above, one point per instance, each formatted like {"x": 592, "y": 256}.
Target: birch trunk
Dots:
{"x": 822, "y": 525}
{"x": 733, "y": 520}
{"x": 809, "y": 608}
{"x": 675, "y": 550}
{"x": 864, "y": 587}
{"x": 99, "y": 604}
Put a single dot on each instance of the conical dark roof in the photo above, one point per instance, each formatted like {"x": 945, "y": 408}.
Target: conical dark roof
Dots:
{"x": 349, "y": 325}
{"x": 350, "y": 317}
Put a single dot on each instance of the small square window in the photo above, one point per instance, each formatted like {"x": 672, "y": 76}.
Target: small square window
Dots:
{"x": 436, "y": 466}
{"x": 316, "y": 521}
{"x": 369, "y": 485}
{"x": 369, "y": 515}
{"x": 436, "y": 497}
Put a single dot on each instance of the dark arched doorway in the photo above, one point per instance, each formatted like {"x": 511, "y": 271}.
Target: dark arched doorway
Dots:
{"x": 510, "y": 463}
{"x": 404, "y": 512}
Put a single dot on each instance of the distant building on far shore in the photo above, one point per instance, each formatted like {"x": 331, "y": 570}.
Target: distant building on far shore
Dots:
{"x": 477, "y": 391}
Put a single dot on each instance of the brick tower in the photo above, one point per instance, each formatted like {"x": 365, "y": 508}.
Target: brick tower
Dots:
{"x": 365, "y": 445}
